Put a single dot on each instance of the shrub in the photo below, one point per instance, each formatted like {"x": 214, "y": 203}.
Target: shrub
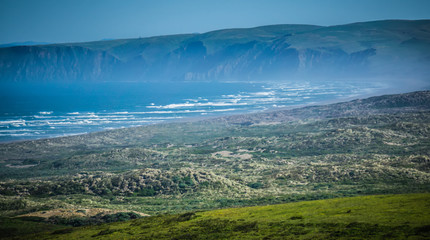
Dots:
{"x": 255, "y": 185}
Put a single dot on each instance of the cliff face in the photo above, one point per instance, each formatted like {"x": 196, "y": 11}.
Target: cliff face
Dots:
{"x": 56, "y": 63}
{"x": 270, "y": 52}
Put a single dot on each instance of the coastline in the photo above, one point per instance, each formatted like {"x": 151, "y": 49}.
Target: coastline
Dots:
{"x": 380, "y": 92}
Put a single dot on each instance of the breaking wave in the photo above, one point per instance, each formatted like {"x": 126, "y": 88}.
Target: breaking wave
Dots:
{"x": 50, "y": 123}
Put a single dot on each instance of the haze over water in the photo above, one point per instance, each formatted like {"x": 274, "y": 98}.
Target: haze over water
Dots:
{"x": 33, "y": 111}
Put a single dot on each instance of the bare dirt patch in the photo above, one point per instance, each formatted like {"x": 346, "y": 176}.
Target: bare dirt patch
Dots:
{"x": 228, "y": 154}
{"x": 20, "y": 166}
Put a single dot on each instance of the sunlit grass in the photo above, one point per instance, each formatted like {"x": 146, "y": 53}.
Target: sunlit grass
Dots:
{"x": 368, "y": 217}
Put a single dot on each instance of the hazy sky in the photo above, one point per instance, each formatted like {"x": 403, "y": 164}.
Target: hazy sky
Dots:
{"x": 87, "y": 20}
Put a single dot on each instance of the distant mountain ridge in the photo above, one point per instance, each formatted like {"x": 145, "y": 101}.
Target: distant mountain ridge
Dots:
{"x": 27, "y": 43}
{"x": 276, "y": 52}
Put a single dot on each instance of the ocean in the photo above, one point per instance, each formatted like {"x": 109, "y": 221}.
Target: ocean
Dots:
{"x": 45, "y": 110}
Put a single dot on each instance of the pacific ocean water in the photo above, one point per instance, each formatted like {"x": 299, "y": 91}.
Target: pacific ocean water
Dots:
{"x": 44, "y": 110}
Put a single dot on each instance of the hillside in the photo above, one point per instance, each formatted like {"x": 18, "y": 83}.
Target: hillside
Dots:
{"x": 367, "y": 146}
{"x": 371, "y": 217}
{"x": 378, "y": 145}
{"x": 371, "y": 49}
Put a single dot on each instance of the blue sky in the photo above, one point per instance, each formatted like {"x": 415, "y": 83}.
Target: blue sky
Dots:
{"x": 88, "y": 20}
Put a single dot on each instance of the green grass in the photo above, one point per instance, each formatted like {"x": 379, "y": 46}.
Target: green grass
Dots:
{"x": 369, "y": 217}
{"x": 12, "y": 227}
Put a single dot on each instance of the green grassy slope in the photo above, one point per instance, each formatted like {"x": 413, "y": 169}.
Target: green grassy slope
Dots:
{"x": 349, "y": 38}
{"x": 126, "y": 49}
{"x": 10, "y": 227}
{"x": 370, "y": 217}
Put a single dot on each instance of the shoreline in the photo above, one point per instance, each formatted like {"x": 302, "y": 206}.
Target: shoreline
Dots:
{"x": 380, "y": 92}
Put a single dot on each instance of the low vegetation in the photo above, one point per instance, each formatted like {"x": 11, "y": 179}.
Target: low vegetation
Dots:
{"x": 379, "y": 145}
{"x": 370, "y": 217}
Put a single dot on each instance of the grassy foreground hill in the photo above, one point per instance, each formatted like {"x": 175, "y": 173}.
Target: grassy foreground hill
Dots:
{"x": 404, "y": 216}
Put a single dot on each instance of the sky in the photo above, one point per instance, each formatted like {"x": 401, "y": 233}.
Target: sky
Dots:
{"x": 57, "y": 21}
